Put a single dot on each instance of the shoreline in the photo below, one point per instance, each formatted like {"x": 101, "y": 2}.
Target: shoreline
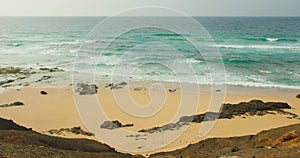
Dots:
{"x": 166, "y": 84}
{"x": 57, "y": 110}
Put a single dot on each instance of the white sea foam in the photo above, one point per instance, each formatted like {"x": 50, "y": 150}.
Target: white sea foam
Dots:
{"x": 272, "y": 39}
{"x": 264, "y": 71}
{"x": 263, "y": 85}
{"x": 257, "y": 47}
{"x": 189, "y": 60}
{"x": 77, "y": 42}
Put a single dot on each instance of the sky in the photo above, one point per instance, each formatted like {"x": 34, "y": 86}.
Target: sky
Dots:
{"x": 109, "y": 7}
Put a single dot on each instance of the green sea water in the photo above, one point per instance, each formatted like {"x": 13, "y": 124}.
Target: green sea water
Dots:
{"x": 256, "y": 51}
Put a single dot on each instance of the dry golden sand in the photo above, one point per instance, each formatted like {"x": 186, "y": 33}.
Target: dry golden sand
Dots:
{"x": 57, "y": 110}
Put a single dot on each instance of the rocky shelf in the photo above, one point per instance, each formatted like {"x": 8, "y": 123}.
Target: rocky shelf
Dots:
{"x": 17, "y": 103}
{"x": 113, "y": 125}
{"x": 229, "y": 111}
{"x": 74, "y": 130}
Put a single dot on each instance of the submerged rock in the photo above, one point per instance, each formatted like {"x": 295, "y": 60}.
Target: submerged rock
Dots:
{"x": 123, "y": 84}
{"x": 6, "y": 82}
{"x": 15, "y": 70}
{"x": 44, "y": 78}
{"x": 51, "y": 69}
{"x": 10, "y": 70}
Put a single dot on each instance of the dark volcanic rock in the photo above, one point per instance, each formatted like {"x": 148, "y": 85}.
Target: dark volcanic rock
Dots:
{"x": 123, "y": 84}
{"x": 52, "y": 69}
{"x": 254, "y": 107}
{"x": 167, "y": 127}
{"x": 229, "y": 111}
{"x": 86, "y": 89}
{"x": 209, "y": 116}
{"x": 235, "y": 149}
{"x": 139, "y": 88}
{"x": 10, "y": 70}
{"x": 75, "y": 130}
{"x": 259, "y": 145}
{"x": 172, "y": 90}
{"x": 111, "y": 125}
{"x": 44, "y": 78}
{"x": 10, "y": 125}
{"x": 17, "y": 103}
{"x": 114, "y": 124}
{"x": 15, "y": 71}
{"x": 18, "y": 141}
{"x": 128, "y": 125}
{"x": 298, "y": 96}
{"x": 115, "y": 85}
{"x": 44, "y": 93}
{"x": 6, "y": 82}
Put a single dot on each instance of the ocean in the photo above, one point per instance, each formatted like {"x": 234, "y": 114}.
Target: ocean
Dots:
{"x": 256, "y": 51}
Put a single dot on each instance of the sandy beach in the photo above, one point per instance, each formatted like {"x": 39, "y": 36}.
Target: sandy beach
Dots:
{"x": 57, "y": 110}
{"x": 150, "y": 79}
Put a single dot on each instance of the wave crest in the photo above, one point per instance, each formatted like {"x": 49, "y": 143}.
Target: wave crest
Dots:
{"x": 257, "y": 47}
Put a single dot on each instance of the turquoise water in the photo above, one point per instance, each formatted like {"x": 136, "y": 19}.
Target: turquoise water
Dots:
{"x": 257, "y": 52}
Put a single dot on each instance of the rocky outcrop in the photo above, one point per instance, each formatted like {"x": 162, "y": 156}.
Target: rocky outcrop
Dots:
{"x": 86, "y": 89}
{"x": 17, "y": 103}
{"x": 55, "y": 69}
{"x": 13, "y": 70}
{"x": 44, "y": 78}
{"x": 6, "y": 82}
{"x": 252, "y": 108}
{"x": 287, "y": 138}
{"x": 115, "y": 85}
{"x": 113, "y": 125}
{"x": 17, "y": 76}
{"x": 229, "y": 111}
{"x": 74, "y": 130}
{"x": 10, "y": 125}
{"x": 270, "y": 143}
{"x": 167, "y": 127}
{"x": 139, "y": 88}
{"x": 18, "y": 141}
